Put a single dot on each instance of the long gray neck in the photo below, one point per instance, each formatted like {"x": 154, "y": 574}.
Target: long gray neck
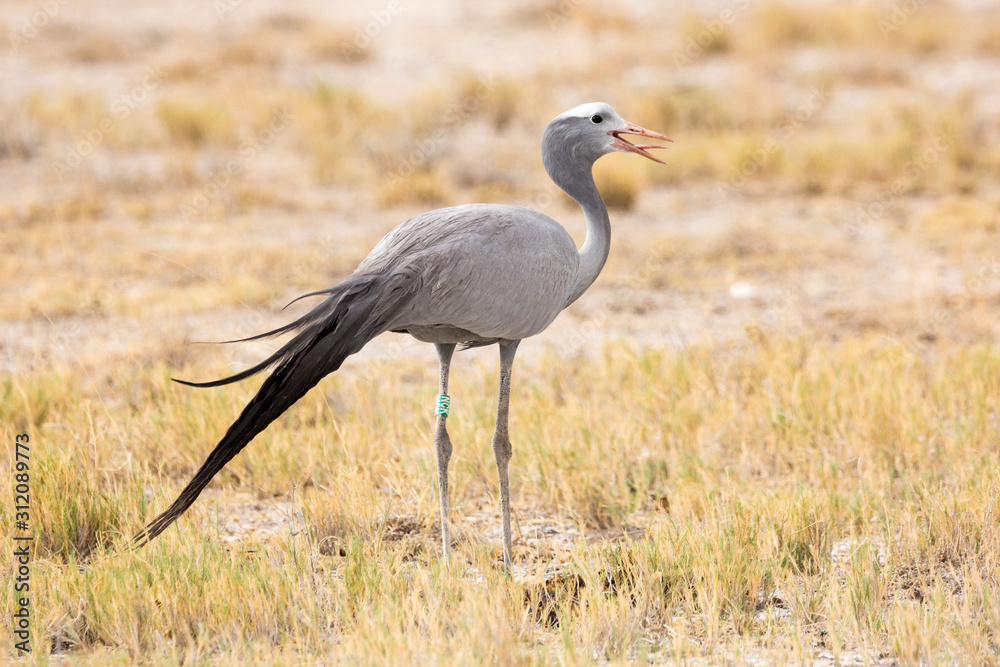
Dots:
{"x": 574, "y": 176}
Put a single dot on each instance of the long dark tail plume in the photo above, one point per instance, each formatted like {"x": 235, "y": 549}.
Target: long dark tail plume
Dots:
{"x": 310, "y": 324}
{"x": 338, "y": 291}
{"x": 334, "y": 330}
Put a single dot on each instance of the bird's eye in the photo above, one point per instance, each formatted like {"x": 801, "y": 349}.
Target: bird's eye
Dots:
{"x": 596, "y": 118}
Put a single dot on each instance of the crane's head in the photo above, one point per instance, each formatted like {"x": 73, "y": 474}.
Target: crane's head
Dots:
{"x": 591, "y": 130}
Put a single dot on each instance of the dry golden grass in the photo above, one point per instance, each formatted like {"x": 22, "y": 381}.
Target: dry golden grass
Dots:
{"x": 195, "y": 122}
{"x": 784, "y": 25}
{"x": 555, "y": 14}
{"x": 712, "y": 35}
{"x": 426, "y": 186}
{"x": 620, "y": 182}
{"x": 696, "y": 262}
{"x": 337, "y": 43}
{"x": 924, "y": 29}
{"x": 329, "y": 122}
{"x": 767, "y": 499}
{"x": 966, "y": 227}
{"x": 94, "y": 267}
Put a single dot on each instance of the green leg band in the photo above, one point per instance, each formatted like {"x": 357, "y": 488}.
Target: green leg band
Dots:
{"x": 443, "y": 405}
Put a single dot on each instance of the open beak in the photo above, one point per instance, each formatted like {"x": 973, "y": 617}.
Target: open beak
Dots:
{"x": 623, "y": 145}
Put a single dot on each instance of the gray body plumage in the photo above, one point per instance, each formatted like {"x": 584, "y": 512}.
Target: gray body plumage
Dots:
{"x": 488, "y": 272}
{"x": 476, "y": 274}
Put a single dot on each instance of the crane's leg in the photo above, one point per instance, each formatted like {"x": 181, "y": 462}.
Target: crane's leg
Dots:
{"x": 501, "y": 444}
{"x": 442, "y": 444}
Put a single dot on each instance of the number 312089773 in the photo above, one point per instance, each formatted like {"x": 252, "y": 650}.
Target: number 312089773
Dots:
{"x": 22, "y": 497}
